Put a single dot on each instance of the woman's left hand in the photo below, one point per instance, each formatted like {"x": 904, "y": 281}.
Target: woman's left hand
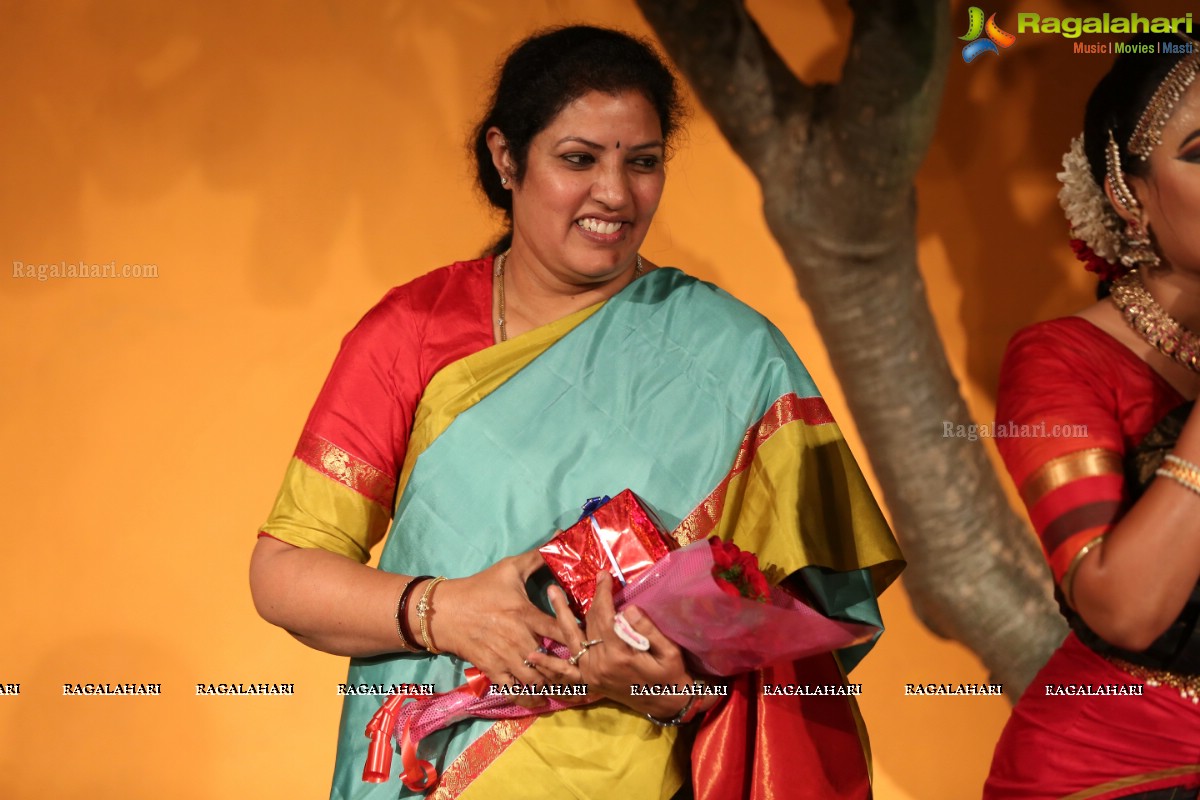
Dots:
{"x": 611, "y": 667}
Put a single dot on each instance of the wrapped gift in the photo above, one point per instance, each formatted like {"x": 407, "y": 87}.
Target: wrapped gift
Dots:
{"x": 619, "y": 535}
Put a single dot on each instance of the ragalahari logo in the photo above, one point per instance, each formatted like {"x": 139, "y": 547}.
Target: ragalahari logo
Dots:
{"x": 996, "y": 38}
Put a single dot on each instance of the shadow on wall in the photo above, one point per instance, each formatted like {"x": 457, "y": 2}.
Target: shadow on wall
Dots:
{"x": 313, "y": 128}
{"x": 989, "y": 189}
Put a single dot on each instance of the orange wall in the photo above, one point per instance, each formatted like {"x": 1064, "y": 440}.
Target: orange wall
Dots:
{"x": 282, "y": 165}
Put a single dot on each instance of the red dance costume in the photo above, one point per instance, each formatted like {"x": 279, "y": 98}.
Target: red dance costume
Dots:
{"x": 1079, "y": 406}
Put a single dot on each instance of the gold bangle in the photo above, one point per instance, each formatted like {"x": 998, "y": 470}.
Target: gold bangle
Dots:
{"x": 423, "y": 610}
{"x": 1068, "y": 581}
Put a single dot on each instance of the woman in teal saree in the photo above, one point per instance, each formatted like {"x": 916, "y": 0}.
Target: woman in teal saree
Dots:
{"x": 471, "y": 413}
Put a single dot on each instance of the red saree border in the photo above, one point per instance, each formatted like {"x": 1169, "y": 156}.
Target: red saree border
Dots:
{"x": 478, "y": 756}
{"x": 335, "y": 463}
{"x": 787, "y": 409}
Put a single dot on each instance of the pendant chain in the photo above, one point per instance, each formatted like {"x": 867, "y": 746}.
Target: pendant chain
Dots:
{"x": 498, "y": 274}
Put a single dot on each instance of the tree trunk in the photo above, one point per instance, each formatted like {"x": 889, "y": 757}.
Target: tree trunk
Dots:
{"x": 837, "y": 165}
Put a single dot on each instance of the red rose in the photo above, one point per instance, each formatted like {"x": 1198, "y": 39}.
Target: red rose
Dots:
{"x": 737, "y": 571}
{"x": 723, "y": 554}
{"x": 747, "y": 561}
{"x": 728, "y": 588}
{"x": 759, "y": 588}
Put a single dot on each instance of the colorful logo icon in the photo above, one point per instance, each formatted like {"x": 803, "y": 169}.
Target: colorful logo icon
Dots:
{"x": 996, "y": 38}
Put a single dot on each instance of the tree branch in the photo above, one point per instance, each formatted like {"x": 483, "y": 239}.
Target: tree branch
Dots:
{"x": 836, "y": 165}
{"x": 735, "y": 71}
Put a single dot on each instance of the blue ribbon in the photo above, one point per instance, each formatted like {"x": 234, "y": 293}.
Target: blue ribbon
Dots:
{"x": 589, "y": 510}
{"x": 593, "y": 505}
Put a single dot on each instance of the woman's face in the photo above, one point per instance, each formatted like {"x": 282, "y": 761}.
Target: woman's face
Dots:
{"x": 593, "y": 179}
{"x": 1170, "y": 194}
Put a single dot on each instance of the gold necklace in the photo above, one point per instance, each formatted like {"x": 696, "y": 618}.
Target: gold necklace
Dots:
{"x": 498, "y": 276}
{"x": 1151, "y": 321}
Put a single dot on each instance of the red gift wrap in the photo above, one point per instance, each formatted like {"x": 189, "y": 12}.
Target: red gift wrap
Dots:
{"x": 621, "y": 536}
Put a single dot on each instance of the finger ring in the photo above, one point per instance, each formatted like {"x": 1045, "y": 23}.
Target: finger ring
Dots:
{"x": 573, "y": 660}
{"x": 592, "y": 643}
{"x": 527, "y": 663}
{"x": 627, "y": 634}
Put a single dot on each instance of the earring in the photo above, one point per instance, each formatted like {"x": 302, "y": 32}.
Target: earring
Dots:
{"x": 503, "y": 181}
{"x": 1138, "y": 248}
{"x": 1116, "y": 176}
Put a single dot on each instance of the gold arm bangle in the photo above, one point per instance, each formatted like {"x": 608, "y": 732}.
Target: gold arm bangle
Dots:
{"x": 424, "y": 607}
{"x": 1068, "y": 581}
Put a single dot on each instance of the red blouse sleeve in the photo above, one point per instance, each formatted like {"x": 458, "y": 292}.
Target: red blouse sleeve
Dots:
{"x": 1059, "y": 432}
{"x": 339, "y": 490}
{"x": 340, "y": 485}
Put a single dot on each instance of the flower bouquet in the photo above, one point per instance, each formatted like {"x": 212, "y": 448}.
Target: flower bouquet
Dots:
{"x": 710, "y": 598}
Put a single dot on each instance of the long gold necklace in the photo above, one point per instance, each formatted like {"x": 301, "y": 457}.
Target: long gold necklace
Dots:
{"x": 498, "y": 276}
{"x": 1153, "y": 323}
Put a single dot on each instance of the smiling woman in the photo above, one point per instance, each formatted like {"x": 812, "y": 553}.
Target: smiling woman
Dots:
{"x": 474, "y": 409}
{"x": 582, "y": 206}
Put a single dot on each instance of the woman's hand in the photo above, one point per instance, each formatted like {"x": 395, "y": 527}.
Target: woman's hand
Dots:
{"x": 488, "y": 620}
{"x": 612, "y": 667}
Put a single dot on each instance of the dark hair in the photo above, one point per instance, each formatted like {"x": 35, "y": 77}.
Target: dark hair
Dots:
{"x": 1122, "y": 95}
{"x": 549, "y": 70}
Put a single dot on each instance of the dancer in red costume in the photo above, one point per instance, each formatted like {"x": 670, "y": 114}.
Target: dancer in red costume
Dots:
{"x": 1108, "y": 462}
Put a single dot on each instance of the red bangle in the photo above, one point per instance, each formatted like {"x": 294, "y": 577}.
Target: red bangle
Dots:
{"x": 402, "y": 614}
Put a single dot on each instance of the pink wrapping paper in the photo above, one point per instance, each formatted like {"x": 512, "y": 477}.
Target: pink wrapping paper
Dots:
{"x": 727, "y": 635}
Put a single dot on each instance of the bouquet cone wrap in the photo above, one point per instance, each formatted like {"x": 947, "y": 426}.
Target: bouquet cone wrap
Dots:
{"x": 725, "y": 634}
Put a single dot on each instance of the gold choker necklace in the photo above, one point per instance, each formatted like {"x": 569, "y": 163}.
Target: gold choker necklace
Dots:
{"x": 1153, "y": 323}
{"x": 498, "y": 275}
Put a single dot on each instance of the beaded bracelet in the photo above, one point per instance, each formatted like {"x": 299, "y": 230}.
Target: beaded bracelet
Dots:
{"x": 1171, "y": 458}
{"x": 1182, "y": 464}
{"x": 406, "y": 636}
{"x": 1185, "y": 473}
{"x": 423, "y": 609}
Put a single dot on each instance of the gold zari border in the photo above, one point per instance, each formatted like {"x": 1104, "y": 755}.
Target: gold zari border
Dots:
{"x": 1062, "y": 470}
{"x": 787, "y": 409}
{"x": 1188, "y": 686}
{"x": 1133, "y": 781}
{"x": 478, "y": 756}
{"x": 334, "y": 462}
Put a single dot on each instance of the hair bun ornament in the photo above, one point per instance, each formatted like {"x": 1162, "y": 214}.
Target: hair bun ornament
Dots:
{"x": 1095, "y": 226}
